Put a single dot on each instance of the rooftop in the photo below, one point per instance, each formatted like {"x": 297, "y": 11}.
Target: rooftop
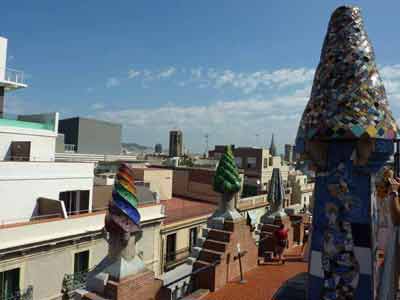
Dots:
{"x": 178, "y": 209}
{"x": 264, "y": 281}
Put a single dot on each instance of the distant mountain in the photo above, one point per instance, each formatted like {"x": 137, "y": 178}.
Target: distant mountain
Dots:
{"x": 133, "y": 147}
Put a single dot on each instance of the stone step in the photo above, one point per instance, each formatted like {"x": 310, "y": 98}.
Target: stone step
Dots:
{"x": 215, "y": 245}
{"x": 219, "y": 235}
{"x": 196, "y": 251}
{"x": 191, "y": 260}
{"x": 210, "y": 255}
{"x": 200, "y": 241}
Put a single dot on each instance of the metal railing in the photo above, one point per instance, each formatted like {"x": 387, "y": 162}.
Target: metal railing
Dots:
{"x": 26, "y": 121}
{"x": 72, "y": 282}
{"x": 13, "y": 75}
{"x": 70, "y": 148}
{"x": 19, "y": 295}
{"x": 175, "y": 258}
{"x": 185, "y": 285}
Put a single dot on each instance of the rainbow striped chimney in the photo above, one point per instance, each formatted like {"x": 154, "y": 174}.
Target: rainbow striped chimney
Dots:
{"x": 123, "y": 215}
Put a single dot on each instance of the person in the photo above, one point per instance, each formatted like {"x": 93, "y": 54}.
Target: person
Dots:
{"x": 394, "y": 205}
{"x": 281, "y": 240}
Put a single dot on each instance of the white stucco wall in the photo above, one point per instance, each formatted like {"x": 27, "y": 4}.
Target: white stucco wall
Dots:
{"x": 45, "y": 270}
{"x": 21, "y": 183}
{"x": 43, "y": 142}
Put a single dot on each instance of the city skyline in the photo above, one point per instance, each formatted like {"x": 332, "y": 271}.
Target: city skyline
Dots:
{"x": 183, "y": 66}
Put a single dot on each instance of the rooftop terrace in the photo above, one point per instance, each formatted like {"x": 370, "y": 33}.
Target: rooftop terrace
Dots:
{"x": 263, "y": 282}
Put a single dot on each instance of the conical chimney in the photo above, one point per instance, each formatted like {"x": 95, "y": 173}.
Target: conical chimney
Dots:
{"x": 348, "y": 99}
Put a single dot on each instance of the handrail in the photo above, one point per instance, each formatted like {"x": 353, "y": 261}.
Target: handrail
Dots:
{"x": 212, "y": 265}
{"x": 74, "y": 281}
{"x": 14, "y": 75}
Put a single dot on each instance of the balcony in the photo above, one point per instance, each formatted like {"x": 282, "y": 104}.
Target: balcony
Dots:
{"x": 73, "y": 282}
{"x": 13, "y": 79}
{"x": 40, "y": 121}
{"x": 19, "y": 295}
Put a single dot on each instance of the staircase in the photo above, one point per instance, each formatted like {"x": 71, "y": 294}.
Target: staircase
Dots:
{"x": 197, "y": 249}
{"x": 221, "y": 245}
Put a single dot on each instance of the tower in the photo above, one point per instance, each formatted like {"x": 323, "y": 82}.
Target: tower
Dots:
{"x": 158, "y": 149}
{"x": 175, "y": 143}
{"x": 346, "y": 133}
{"x": 289, "y": 153}
{"x": 272, "y": 147}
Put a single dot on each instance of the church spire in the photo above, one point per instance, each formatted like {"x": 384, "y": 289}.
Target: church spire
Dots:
{"x": 272, "y": 148}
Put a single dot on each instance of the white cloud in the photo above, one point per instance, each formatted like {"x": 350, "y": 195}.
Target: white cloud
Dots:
{"x": 196, "y": 73}
{"x": 234, "y": 121}
{"x": 133, "y": 73}
{"x": 167, "y": 73}
{"x": 253, "y": 81}
{"x": 97, "y": 106}
{"x": 391, "y": 79}
{"x": 112, "y": 82}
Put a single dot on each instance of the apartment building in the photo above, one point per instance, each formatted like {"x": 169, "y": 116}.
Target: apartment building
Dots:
{"x": 257, "y": 165}
{"x": 90, "y": 136}
{"x": 50, "y": 232}
{"x": 302, "y": 189}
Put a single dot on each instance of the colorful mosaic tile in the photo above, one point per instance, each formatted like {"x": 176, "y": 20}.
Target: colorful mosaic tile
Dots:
{"x": 348, "y": 98}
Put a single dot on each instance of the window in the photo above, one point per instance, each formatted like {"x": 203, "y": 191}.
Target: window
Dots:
{"x": 75, "y": 201}
{"x": 171, "y": 247}
{"x": 20, "y": 151}
{"x": 271, "y": 162}
{"x": 81, "y": 262}
{"x": 239, "y": 162}
{"x": 265, "y": 162}
{"x": 251, "y": 162}
{"x": 9, "y": 283}
{"x": 192, "y": 237}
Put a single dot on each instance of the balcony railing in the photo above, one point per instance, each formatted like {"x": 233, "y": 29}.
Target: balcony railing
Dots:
{"x": 176, "y": 258}
{"x": 21, "y": 121}
{"x": 16, "y": 76}
{"x": 72, "y": 282}
{"x": 185, "y": 285}
{"x": 69, "y": 148}
{"x": 19, "y": 295}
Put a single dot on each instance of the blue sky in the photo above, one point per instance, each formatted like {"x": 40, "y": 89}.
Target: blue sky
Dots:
{"x": 232, "y": 69}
